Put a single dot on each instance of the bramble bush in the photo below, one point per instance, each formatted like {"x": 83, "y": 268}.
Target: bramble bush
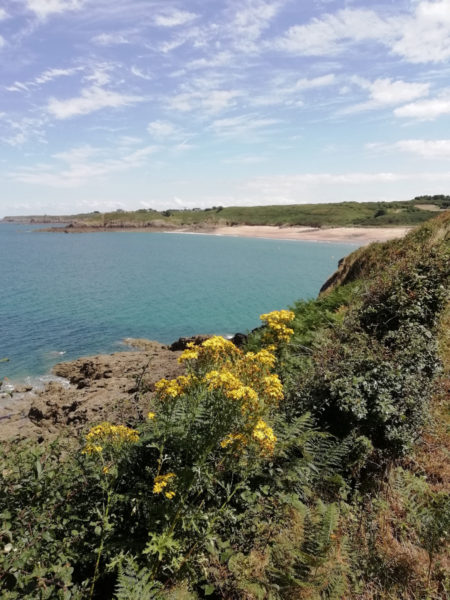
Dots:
{"x": 372, "y": 373}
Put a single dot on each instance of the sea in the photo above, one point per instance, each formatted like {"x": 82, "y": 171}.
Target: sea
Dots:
{"x": 63, "y": 296}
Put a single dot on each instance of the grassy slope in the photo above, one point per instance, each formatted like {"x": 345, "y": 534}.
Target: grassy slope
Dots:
{"x": 365, "y": 214}
{"x": 315, "y": 215}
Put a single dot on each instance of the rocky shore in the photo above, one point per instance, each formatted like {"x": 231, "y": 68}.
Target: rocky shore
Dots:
{"x": 116, "y": 387}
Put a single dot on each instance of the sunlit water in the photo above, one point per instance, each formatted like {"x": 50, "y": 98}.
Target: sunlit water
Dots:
{"x": 64, "y": 296}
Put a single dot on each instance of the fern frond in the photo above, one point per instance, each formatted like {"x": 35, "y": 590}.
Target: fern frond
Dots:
{"x": 134, "y": 583}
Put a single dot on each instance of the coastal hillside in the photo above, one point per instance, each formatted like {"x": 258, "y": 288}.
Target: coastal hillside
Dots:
{"x": 341, "y": 214}
{"x": 307, "y": 460}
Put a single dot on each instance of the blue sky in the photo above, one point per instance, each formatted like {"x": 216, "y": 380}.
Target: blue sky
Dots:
{"x": 162, "y": 104}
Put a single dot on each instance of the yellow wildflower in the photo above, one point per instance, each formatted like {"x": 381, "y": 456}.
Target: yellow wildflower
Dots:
{"x": 246, "y": 396}
{"x": 277, "y": 317}
{"x": 222, "y": 380}
{"x": 151, "y": 416}
{"x": 92, "y": 449}
{"x": 174, "y": 387}
{"x": 108, "y": 434}
{"x": 232, "y": 438}
{"x": 263, "y": 434}
{"x": 190, "y": 353}
{"x": 169, "y": 495}
{"x": 161, "y": 482}
{"x": 218, "y": 348}
{"x": 273, "y": 388}
{"x": 167, "y": 388}
{"x": 276, "y": 322}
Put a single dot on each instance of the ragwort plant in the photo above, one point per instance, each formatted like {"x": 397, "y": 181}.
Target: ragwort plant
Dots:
{"x": 166, "y": 490}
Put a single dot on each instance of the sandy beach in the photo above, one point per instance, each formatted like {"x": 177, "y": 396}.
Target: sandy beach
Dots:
{"x": 348, "y": 235}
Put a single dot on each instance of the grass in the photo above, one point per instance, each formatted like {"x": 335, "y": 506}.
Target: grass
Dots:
{"x": 342, "y": 214}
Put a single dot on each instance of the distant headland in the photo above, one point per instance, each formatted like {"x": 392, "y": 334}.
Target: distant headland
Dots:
{"x": 358, "y": 222}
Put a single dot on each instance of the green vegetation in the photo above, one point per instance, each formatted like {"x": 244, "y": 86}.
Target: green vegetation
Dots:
{"x": 341, "y": 214}
{"x": 335, "y": 485}
{"x": 364, "y": 214}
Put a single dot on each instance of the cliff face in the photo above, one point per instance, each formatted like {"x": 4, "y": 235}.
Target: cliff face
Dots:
{"x": 364, "y": 262}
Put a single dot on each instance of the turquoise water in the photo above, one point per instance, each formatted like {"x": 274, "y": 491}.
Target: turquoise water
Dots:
{"x": 65, "y": 296}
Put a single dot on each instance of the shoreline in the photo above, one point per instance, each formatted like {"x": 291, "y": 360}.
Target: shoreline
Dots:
{"x": 90, "y": 388}
{"x": 103, "y": 387}
{"x": 344, "y": 235}
{"x": 360, "y": 236}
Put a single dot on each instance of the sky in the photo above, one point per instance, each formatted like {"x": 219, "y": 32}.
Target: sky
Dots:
{"x": 108, "y": 104}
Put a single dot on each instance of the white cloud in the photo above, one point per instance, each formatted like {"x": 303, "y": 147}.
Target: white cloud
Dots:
{"x": 288, "y": 90}
{"x": 82, "y": 165}
{"x": 22, "y": 130}
{"x": 90, "y": 100}
{"x": 17, "y": 86}
{"x": 2, "y": 41}
{"x": 44, "y": 8}
{"x": 425, "y": 37}
{"x": 219, "y": 60}
{"x": 243, "y": 125}
{"x": 174, "y": 18}
{"x": 44, "y": 77}
{"x": 129, "y": 140}
{"x": 210, "y": 100}
{"x": 162, "y": 129}
{"x": 333, "y": 187}
{"x": 248, "y": 19}
{"x": 432, "y": 149}
{"x": 110, "y": 39}
{"x": 316, "y": 82}
{"x": 99, "y": 74}
{"x": 218, "y": 100}
{"x": 140, "y": 74}
{"x": 419, "y": 37}
{"x": 387, "y": 92}
{"x": 51, "y": 74}
{"x": 425, "y": 110}
{"x": 77, "y": 155}
{"x": 3, "y": 14}
{"x": 331, "y": 34}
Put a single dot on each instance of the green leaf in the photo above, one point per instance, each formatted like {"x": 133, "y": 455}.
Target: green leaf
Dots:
{"x": 209, "y": 589}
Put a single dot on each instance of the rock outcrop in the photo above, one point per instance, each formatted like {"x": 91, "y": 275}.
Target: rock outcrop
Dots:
{"x": 115, "y": 387}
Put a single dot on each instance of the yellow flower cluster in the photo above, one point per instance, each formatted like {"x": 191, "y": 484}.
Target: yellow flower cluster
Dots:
{"x": 161, "y": 482}
{"x": 277, "y": 323}
{"x": 261, "y": 433}
{"x": 245, "y": 394}
{"x": 273, "y": 388}
{"x": 108, "y": 434}
{"x": 92, "y": 449}
{"x": 215, "y": 349}
{"x": 232, "y": 438}
{"x": 190, "y": 353}
{"x": 246, "y": 379}
{"x": 222, "y": 380}
{"x": 264, "y": 435}
{"x": 171, "y": 388}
